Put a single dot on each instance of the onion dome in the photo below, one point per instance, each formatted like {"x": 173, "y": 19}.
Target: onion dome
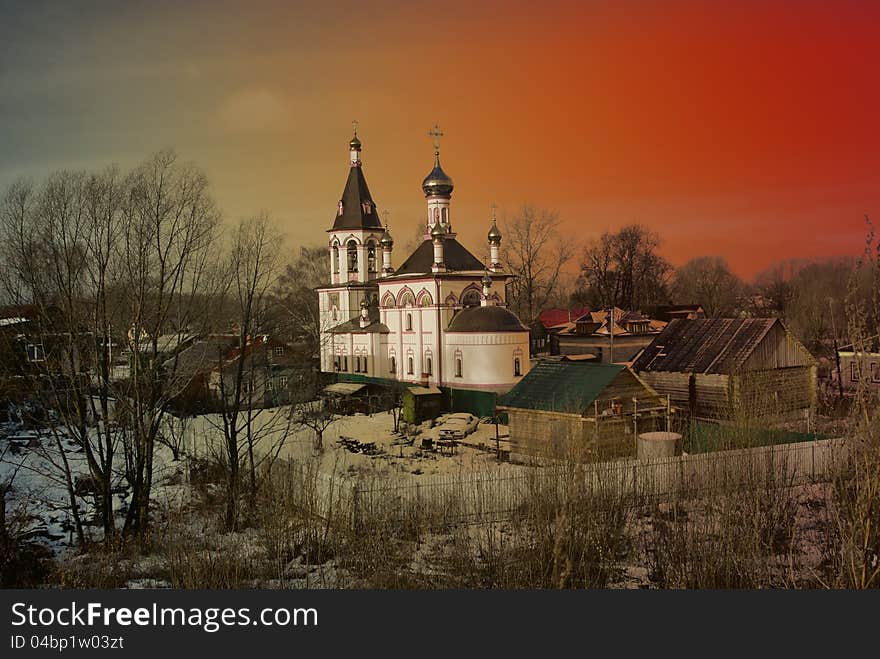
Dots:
{"x": 355, "y": 143}
{"x": 487, "y": 280}
{"x": 387, "y": 240}
{"x": 494, "y": 234}
{"x": 437, "y": 231}
{"x": 486, "y": 319}
{"x": 437, "y": 183}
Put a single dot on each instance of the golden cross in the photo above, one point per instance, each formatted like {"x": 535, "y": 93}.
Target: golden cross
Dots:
{"x": 354, "y": 126}
{"x": 494, "y": 206}
{"x": 385, "y": 214}
{"x": 436, "y": 133}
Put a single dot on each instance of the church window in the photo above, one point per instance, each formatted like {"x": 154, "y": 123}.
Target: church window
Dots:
{"x": 371, "y": 257}
{"x": 470, "y": 298}
{"x": 393, "y": 364}
{"x": 458, "y": 367}
{"x": 428, "y": 365}
{"x": 339, "y": 207}
{"x": 345, "y": 363}
{"x": 409, "y": 322}
{"x": 445, "y": 215}
{"x": 517, "y": 368}
{"x": 334, "y": 258}
{"x": 352, "y": 256}
{"x": 409, "y": 365}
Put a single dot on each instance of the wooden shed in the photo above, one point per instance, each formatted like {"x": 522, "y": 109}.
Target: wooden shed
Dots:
{"x": 726, "y": 368}
{"x": 581, "y": 409}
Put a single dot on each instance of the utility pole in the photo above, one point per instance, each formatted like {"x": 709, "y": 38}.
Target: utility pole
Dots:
{"x": 611, "y": 334}
{"x": 836, "y": 350}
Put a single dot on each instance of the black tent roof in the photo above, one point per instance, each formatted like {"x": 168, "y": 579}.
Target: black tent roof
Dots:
{"x": 358, "y": 209}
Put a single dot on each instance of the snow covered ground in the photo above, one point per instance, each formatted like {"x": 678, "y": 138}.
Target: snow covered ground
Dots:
{"x": 354, "y": 446}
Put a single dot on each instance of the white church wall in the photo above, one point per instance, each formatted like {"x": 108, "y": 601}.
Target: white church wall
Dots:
{"x": 485, "y": 361}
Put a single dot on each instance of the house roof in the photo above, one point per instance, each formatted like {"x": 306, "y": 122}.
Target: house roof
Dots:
{"x": 704, "y": 345}
{"x": 561, "y": 386}
{"x": 455, "y": 256}
{"x": 553, "y": 317}
{"x": 358, "y": 209}
{"x": 669, "y": 311}
{"x": 596, "y": 323}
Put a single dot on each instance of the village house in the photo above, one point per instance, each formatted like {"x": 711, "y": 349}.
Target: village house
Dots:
{"x": 272, "y": 373}
{"x": 595, "y": 334}
{"x": 581, "y": 409}
{"x": 723, "y": 368}
{"x": 858, "y": 369}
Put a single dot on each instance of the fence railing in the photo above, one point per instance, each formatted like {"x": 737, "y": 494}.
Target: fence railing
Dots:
{"x": 494, "y": 494}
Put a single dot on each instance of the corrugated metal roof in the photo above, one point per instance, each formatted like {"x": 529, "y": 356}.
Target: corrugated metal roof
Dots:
{"x": 557, "y": 386}
{"x": 704, "y": 345}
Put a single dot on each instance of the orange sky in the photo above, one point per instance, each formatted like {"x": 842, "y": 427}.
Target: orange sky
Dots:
{"x": 746, "y": 131}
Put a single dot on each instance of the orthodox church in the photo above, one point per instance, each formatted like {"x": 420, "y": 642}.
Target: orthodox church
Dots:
{"x": 439, "y": 320}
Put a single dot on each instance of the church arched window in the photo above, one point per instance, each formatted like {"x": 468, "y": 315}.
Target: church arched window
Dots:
{"x": 393, "y": 364}
{"x": 352, "y": 256}
{"x": 470, "y": 298}
{"x": 409, "y": 322}
{"x": 371, "y": 256}
{"x": 334, "y": 258}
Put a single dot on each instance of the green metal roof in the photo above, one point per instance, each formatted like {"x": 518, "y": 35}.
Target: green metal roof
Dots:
{"x": 561, "y": 386}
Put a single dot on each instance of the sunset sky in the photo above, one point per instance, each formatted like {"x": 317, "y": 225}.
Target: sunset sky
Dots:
{"x": 749, "y": 130}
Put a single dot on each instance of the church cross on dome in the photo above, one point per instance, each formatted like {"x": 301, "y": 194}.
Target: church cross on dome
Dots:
{"x": 436, "y": 133}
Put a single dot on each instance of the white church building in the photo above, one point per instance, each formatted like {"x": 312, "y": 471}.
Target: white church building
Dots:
{"x": 438, "y": 320}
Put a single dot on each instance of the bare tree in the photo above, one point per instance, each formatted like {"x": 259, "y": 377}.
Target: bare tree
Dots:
{"x": 623, "y": 269}
{"x": 169, "y": 229}
{"x": 317, "y": 415}
{"x": 535, "y": 253}
{"x": 61, "y": 256}
{"x": 243, "y": 376}
{"x": 708, "y": 281}
{"x": 295, "y": 305}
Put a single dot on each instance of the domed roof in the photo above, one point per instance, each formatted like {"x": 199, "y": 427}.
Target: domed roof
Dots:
{"x": 437, "y": 231}
{"x": 355, "y": 143}
{"x": 486, "y": 319}
{"x": 387, "y": 240}
{"x": 494, "y": 234}
{"x": 437, "y": 183}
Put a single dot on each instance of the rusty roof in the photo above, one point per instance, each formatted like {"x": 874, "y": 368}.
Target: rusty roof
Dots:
{"x": 704, "y": 345}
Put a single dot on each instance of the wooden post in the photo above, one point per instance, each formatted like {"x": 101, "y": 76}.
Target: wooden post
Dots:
{"x": 636, "y": 424}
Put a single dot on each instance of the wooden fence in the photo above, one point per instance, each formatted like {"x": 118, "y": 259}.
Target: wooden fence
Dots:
{"x": 496, "y": 494}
